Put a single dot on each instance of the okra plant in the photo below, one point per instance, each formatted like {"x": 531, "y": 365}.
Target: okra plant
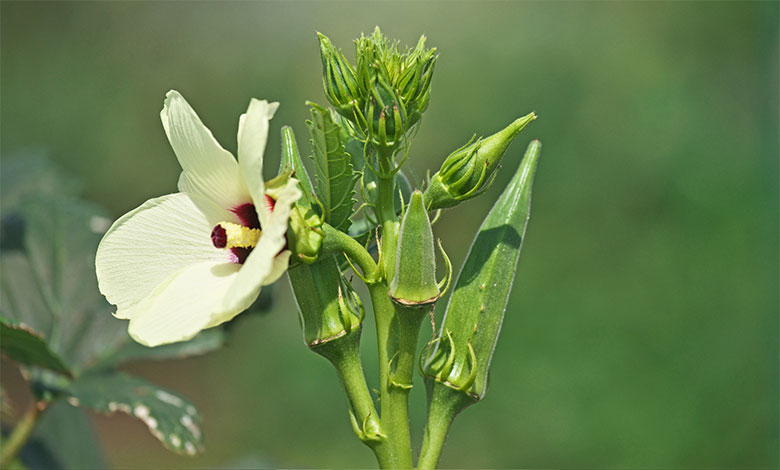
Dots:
{"x": 190, "y": 261}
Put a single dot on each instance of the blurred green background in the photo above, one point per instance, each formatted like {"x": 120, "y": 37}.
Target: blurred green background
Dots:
{"x": 643, "y": 327}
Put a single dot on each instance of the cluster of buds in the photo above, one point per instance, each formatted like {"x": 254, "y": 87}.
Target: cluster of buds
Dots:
{"x": 384, "y": 95}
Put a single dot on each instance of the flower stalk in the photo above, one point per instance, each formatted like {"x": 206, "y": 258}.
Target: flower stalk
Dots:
{"x": 21, "y": 433}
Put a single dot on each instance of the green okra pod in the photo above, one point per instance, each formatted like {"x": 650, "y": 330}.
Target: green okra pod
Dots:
{"x": 414, "y": 280}
{"x": 460, "y": 357}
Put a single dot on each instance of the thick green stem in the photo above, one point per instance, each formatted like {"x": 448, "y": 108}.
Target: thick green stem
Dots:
{"x": 393, "y": 449}
{"x": 444, "y": 403}
{"x": 395, "y": 401}
{"x": 433, "y": 440}
{"x": 365, "y": 419}
{"x": 394, "y": 414}
{"x": 21, "y": 433}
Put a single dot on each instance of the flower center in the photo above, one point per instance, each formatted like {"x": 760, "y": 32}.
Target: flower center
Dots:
{"x": 241, "y": 238}
{"x": 230, "y": 235}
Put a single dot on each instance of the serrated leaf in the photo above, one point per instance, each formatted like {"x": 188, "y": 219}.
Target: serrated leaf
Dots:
{"x": 21, "y": 344}
{"x": 335, "y": 176}
{"x": 206, "y": 341}
{"x": 170, "y": 418}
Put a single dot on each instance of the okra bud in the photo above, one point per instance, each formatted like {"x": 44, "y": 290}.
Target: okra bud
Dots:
{"x": 469, "y": 170}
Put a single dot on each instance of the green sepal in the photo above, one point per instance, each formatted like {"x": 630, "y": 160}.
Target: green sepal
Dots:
{"x": 414, "y": 278}
{"x": 304, "y": 236}
{"x": 291, "y": 162}
{"x": 460, "y": 357}
{"x": 469, "y": 171}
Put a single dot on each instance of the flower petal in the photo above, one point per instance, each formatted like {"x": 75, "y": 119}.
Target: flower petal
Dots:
{"x": 278, "y": 268}
{"x": 146, "y": 245}
{"x": 210, "y": 169}
{"x": 252, "y": 138}
{"x": 259, "y": 265}
{"x": 186, "y": 303}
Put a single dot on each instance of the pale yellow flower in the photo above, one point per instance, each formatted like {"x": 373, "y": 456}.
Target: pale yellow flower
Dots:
{"x": 187, "y": 261}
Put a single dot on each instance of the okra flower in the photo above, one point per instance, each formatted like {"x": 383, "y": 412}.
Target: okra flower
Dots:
{"x": 192, "y": 260}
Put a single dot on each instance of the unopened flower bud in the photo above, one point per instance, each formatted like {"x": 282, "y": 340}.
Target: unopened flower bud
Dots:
{"x": 338, "y": 79}
{"x": 470, "y": 170}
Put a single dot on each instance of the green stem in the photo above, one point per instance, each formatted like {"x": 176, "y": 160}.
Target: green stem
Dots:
{"x": 346, "y": 360}
{"x": 394, "y": 398}
{"x": 390, "y": 224}
{"x": 444, "y": 403}
{"x": 433, "y": 440}
{"x": 338, "y": 241}
{"x": 395, "y": 402}
{"x": 409, "y": 321}
{"x": 21, "y": 433}
{"x": 394, "y": 415}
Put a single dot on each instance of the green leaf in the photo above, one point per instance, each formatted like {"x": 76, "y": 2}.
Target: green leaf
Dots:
{"x": 49, "y": 282}
{"x": 63, "y": 438}
{"x": 47, "y": 272}
{"x": 334, "y": 172}
{"x": 170, "y": 418}
{"x": 461, "y": 356}
{"x": 22, "y": 344}
{"x": 206, "y": 341}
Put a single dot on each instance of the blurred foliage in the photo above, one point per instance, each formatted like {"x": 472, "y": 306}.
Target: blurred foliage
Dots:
{"x": 642, "y": 329}
{"x": 59, "y": 330}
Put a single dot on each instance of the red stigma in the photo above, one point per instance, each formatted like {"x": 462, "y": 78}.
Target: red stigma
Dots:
{"x": 219, "y": 236}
